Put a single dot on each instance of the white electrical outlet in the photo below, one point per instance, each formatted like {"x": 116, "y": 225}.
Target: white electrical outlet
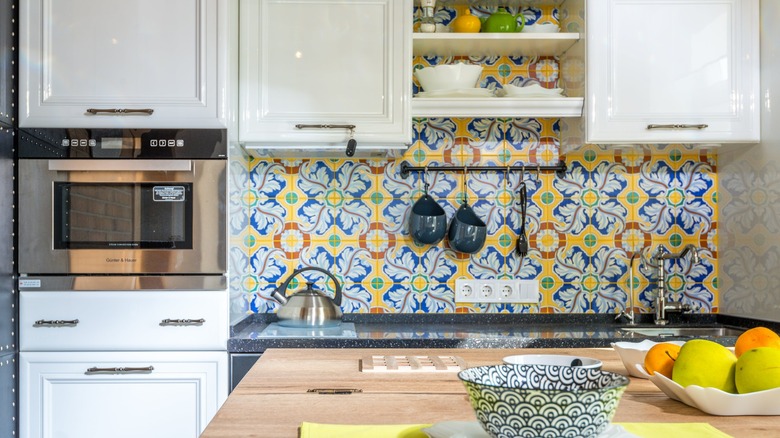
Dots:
{"x": 497, "y": 291}
{"x": 506, "y": 291}
{"x": 486, "y": 290}
{"x": 465, "y": 291}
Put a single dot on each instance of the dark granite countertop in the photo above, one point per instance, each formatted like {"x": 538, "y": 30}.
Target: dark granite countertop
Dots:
{"x": 476, "y": 331}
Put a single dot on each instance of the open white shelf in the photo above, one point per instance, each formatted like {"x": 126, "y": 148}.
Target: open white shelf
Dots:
{"x": 497, "y": 107}
{"x": 510, "y": 3}
{"x": 491, "y": 44}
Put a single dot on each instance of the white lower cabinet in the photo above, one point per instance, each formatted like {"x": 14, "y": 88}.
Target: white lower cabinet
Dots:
{"x": 120, "y": 394}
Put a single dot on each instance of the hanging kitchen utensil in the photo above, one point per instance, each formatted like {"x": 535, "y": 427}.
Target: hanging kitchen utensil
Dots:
{"x": 522, "y": 239}
{"x": 308, "y": 307}
{"x": 427, "y": 220}
{"x": 467, "y": 231}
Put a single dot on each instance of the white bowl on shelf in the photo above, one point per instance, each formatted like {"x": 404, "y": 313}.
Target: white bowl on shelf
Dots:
{"x": 448, "y": 76}
{"x": 463, "y": 92}
{"x": 542, "y": 28}
{"x": 532, "y": 90}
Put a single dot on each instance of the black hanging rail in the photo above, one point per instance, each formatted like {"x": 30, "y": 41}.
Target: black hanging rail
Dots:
{"x": 559, "y": 169}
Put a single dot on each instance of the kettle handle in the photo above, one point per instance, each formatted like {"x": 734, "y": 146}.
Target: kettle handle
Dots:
{"x": 522, "y": 21}
{"x": 282, "y": 290}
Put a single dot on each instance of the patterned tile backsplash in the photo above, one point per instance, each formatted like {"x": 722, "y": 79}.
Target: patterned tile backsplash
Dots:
{"x": 350, "y": 217}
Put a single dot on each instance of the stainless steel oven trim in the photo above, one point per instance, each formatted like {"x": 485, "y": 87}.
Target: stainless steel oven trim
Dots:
{"x": 120, "y": 165}
{"x": 57, "y": 283}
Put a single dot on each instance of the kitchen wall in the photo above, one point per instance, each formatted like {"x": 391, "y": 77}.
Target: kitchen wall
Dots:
{"x": 750, "y": 202}
{"x": 349, "y": 216}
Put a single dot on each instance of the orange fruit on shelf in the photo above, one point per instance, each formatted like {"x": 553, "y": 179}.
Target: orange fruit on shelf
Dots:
{"x": 754, "y": 338}
{"x": 660, "y": 358}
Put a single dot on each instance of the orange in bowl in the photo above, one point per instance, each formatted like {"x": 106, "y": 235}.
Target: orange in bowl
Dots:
{"x": 754, "y": 338}
{"x": 660, "y": 358}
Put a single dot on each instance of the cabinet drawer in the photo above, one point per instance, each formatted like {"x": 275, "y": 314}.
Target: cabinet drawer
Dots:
{"x": 106, "y": 321}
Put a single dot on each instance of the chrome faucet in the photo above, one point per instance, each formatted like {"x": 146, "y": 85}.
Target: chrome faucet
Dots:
{"x": 628, "y": 312}
{"x": 658, "y": 258}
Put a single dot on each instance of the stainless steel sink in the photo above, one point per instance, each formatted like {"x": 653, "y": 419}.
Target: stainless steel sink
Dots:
{"x": 661, "y": 332}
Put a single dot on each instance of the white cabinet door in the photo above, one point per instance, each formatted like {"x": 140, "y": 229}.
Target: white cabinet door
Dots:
{"x": 325, "y": 62}
{"x": 692, "y": 64}
{"x": 81, "y": 55}
{"x": 61, "y": 398}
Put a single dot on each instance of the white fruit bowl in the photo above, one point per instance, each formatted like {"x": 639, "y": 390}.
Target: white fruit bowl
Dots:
{"x": 633, "y": 353}
{"x": 716, "y": 402}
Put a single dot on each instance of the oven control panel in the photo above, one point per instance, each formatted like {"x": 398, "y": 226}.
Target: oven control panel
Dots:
{"x": 123, "y": 143}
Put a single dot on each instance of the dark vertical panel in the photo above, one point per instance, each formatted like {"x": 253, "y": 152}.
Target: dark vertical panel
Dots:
{"x": 7, "y": 279}
{"x": 8, "y": 298}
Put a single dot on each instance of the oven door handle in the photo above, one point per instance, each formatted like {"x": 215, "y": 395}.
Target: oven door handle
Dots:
{"x": 120, "y": 165}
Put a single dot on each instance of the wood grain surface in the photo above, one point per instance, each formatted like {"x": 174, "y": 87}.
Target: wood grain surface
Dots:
{"x": 272, "y": 400}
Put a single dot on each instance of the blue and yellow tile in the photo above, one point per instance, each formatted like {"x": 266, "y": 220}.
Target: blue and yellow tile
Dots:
{"x": 350, "y": 217}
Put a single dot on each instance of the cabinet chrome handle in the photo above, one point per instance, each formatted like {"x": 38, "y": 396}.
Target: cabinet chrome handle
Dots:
{"x": 120, "y": 111}
{"x": 56, "y": 323}
{"x": 301, "y": 126}
{"x": 678, "y": 126}
{"x": 120, "y": 370}
{"x": 166, "y": 321}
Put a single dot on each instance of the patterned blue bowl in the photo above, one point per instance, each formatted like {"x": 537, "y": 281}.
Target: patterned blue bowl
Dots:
{"x": 543, "y": 400}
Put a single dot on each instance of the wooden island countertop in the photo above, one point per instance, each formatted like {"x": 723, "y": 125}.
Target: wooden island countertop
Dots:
{"x": 273, "y": 399}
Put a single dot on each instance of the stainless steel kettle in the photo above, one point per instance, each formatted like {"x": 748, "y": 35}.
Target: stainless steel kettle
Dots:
{"x": 308, "y": 307}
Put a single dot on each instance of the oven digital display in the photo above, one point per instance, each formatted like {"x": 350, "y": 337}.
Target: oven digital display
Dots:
{"x": 111, "y": 143}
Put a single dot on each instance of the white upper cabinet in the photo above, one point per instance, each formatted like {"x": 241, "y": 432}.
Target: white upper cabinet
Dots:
{"x": 672, "y": 71}
{"x": 309, "y": 69}
{"x": 125, "y": 64}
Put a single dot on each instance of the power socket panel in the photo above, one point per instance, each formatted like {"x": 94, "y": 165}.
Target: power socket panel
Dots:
{"x": 497, "y": 291}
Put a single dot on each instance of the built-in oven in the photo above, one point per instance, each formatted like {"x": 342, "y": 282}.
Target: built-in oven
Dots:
{"x": 122, "y": 201}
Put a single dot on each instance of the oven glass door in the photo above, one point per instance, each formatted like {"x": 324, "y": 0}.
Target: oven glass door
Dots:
{"x": 122, "y": 215}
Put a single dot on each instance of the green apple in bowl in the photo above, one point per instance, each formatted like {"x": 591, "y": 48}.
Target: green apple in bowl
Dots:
{"x": 706, "y": 363}
{"x": 758, "y": 369}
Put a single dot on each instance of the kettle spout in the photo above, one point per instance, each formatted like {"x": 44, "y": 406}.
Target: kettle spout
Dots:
{"x": 278, "y": 296}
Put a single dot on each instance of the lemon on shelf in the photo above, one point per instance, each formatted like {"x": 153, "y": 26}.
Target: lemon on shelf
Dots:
{"x": 466, "y": 23}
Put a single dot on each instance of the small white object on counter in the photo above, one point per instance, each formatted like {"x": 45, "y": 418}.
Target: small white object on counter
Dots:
{"x": 552, "y": 359}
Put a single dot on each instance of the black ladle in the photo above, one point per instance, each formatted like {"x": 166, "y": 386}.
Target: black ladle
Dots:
{"x": 576, "y": 363}
{"x": 522, "y": 238}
